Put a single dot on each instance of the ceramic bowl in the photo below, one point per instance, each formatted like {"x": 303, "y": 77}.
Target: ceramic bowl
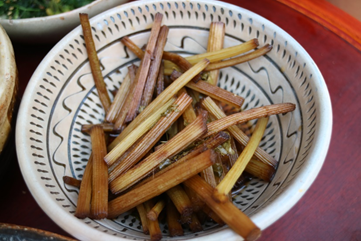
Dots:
{"x": 16, "y": 232}
{"x": 61, "y": 97}
{"x": 51, "y": 29}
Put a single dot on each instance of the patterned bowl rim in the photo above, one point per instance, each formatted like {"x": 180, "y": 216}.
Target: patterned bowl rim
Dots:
{"x": 269, "y": 214}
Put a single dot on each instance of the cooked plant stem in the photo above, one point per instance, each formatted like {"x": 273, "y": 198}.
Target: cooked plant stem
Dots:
{"x": 152, "y": 137}
{"x": 154, "y": 67}
{"x": 237, "y": 133}
{"x": 153, "y": 225}
{"x": 220, "y": 193}
{"x": 193, "y": 131}
{"x": 143, "y": 69}
{"x": 143, "y": 218}
{"x": 244, "y": 116}
{"x": 215, "y": 42}
{"x": 160, "y": 183}
{"x": 156, "y": 209}
{"x": 94, "y": 62}
{"x": 227, "y": 211}
{"x": 168, "y": 93}
{"x": 182, "y": 202}
{"x": 99, "y": 202}
{"x": 85, "y": 191}
{"x": 137, "y": 133}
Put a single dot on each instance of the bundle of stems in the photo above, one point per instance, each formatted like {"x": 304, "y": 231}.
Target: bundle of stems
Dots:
{"x": 161, "y": 99}
{"x": 247, "y": 115}
{"x": 160, "y": 184}
{"x": 148, "y": 107}
{"x": 199, "y": 86}
{"x": 192, "y": 132}
{"x": 153, "y": 136}
{"x": 213, "y": 56}
{"x": 137, "y": 133}
{"x": 143, "y": 69}
{"x": 238, "y": 134}
{"x": 208, "y": 144}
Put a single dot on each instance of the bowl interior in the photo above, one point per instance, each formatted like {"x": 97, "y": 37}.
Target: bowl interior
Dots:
{"x": 61, "y": 97}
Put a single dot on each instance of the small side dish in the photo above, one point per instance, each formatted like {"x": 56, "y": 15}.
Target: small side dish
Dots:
{"x": 16, "y": 9}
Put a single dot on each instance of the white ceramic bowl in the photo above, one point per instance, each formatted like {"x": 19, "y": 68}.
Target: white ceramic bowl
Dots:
{"x": 61, "y": 96}
{"x": 51, "y": 29}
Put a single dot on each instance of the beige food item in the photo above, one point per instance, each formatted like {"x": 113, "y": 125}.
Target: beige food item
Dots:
{"x": 8, "y": 86}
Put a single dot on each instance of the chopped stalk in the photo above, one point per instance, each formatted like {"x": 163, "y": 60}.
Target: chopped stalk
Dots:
{"x": 220, "y": 193}
{"x": 119, "y": 100}
{"x": 120, "y": 120}
{"x": 153, "y": 225}
{"x": 225, "y": 53}
{"x": 241, "y": 59}
{"x": 132, "y": 47}
{"x": 174, "y": 227}
{"x": 99, "y": 203}
{"x": 71, "y": 181}
{"x": 85, "y": 192}
{"x": 195, "y": 225}
{"x": 215, "y": 42}
{"x": 143, "y": 218}
{"x": 240, "y": 136}
{"x": 160, "y": 184}
{"x": 160, "y": 80}
{"x": 189, "y": 114}
{"x": 168, "y": 93}
{"x": 154, "y": 67}
{"x": 182, "y": 202}
{"x": 107, "y": 127}
{"x": 143, "y": 69}
{"x": 227, "y": 211}
{"x": 120, "y": 160}
{"x": 193, "y": 131}
{"x": 208, "y": 175}
{"x": 260, "y": 169}
{"x": 217, "y": 93}
{"x": 156, "y": 209}
{"x": 180, "y": 62}
{"x": 232, "y": 157}
{"x": 197, "y": 203}
{"x": 94, "y": 62}
{"x": 211, "y": 143}
{"x": 209, "y": 212}
{"x": 213, "y": 91}
{"x": 248, "y": 115}
{"x": 138, "y": 132}
{"x": 152, "y": 137}
{"x": 217, "y": 55}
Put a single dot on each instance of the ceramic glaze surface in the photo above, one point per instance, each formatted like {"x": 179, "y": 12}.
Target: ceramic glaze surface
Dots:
{"x": 61, "y": 97}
